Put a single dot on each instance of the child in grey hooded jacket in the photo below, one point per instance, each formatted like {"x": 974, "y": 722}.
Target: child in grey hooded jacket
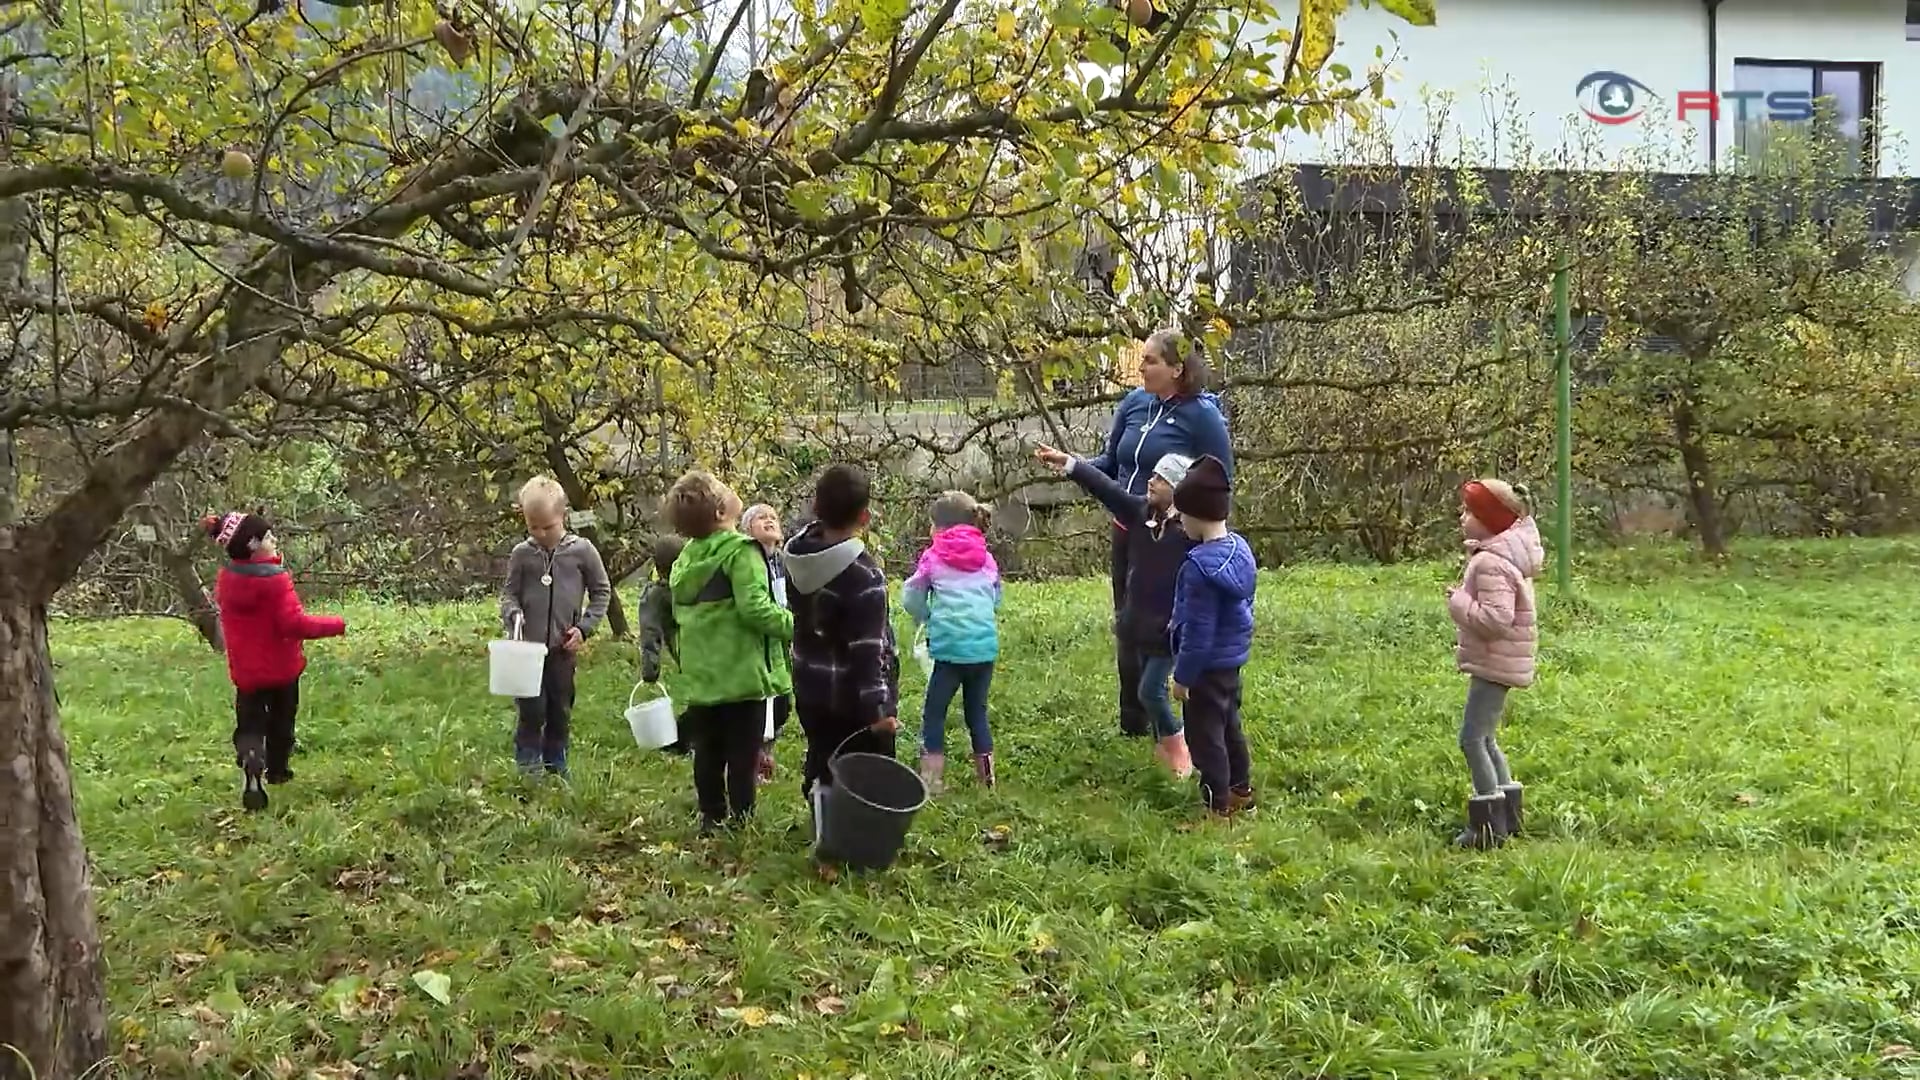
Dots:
{"x": 557, "y": 593}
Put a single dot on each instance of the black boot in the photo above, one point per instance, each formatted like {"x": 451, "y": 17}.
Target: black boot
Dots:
{"x": 253, "y": 763}
{"x": 1513, "y": 819}
{"x": 1486, "y": 823}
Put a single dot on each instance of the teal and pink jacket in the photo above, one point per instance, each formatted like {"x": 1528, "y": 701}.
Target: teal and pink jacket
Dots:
{"x": 955, "y": 593}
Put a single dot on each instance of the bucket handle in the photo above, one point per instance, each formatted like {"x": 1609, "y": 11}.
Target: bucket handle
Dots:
{"x": 519, "y": 619}
{"x": 636, "y": 692}
{"x": 838, "y": 750}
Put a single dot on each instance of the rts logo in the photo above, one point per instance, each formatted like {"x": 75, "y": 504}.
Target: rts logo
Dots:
{"x": 1611, "y": 98}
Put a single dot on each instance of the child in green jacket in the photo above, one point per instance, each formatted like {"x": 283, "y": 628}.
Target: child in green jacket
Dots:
{"x": 733, "y": 645}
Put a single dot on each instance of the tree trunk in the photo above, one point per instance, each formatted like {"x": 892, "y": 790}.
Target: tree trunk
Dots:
{"x": 185, "y": 579}
{"x": 183, "y": 576}
{"x": 1703, "y": 494}
{"x": 53, "y": 1007}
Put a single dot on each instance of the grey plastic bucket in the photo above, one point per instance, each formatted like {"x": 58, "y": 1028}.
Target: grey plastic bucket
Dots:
{"x": 862, "y": 817}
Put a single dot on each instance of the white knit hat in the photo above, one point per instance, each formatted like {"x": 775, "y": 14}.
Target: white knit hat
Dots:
{"x": 1172, "y": 468}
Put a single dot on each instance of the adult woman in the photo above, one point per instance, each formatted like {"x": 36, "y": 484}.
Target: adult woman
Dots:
{"x": 1171, "y": 413}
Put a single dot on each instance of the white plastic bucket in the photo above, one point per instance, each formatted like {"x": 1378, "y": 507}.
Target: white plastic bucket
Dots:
{"x": 515, "y": 667}
{"x": 652, "y": 721}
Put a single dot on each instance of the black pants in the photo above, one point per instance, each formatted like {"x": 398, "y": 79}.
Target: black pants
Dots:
{"x": 726, "y": 741}
{"x": 263, "y": 727}
{"x": 826, "y": 732}
{"x": 1214, "y": 736}
{"x": 546, "y": 721}
{"x": 1134, "y": 719}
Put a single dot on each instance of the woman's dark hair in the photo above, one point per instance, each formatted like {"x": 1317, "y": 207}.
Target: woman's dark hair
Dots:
{"x": 1172, "y": 347}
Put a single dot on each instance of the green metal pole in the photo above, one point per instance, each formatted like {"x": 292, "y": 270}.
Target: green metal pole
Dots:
{"x": 1563, "y": 376}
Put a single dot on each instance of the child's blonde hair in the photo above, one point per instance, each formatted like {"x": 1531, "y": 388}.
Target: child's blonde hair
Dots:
{"x": 754, "y": 513}
{"x": 694, "y": 504}
{"x": 954, "y": 508}
{"x": 541, "y": 495}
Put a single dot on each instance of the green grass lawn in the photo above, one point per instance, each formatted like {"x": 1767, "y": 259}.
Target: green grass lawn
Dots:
{"x": 1721, "y": 879}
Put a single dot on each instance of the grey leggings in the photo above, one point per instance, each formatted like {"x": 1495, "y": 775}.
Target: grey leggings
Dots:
{"x": 1485, "y": 703}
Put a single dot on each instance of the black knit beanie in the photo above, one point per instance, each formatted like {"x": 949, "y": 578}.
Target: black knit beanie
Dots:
{"x": 1205, "y": 494}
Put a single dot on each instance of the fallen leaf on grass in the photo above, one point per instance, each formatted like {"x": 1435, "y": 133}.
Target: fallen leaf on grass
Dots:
{"x": 187, "y": 961}
{"x": 566, "y": 963}
{"x": 830, "y": 1006}
{"x": 997, "y": 838}
{"x": 362, "y": 880}
{"x": 753, "y": 1016}
{"x": 1896, "y": 1052}
{"x": 227, "y": 1000}
{"x": 1745, "y": 798}
{"x": 437, "y": 986}
{"x": 1140, "y": 1059}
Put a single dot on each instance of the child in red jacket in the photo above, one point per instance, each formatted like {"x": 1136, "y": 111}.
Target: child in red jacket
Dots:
{"x": 264, "y": 625}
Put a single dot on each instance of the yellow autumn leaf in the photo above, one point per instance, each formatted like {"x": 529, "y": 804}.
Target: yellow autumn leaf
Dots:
{"x": 1003, "y": 26}
{"x": 1317, "y": 19}
{"x": 1417, "y": 12}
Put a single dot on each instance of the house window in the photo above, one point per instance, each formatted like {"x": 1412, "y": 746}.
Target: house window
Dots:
{"x": 1913, "y": 20}
{"x": 1844, "y": 97}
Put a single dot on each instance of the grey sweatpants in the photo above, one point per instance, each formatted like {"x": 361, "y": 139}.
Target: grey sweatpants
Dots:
{"x": 1486, "y": 703}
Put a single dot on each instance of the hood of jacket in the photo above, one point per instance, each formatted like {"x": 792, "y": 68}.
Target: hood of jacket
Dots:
{"x": 962, "y": 547}
{"x": 1519, "y": 545}
{"x": 245, "y": 594}
{"x": 812, "y": 562}
{"x": 1228, "y": 564}
{"x": 701, "y": 559}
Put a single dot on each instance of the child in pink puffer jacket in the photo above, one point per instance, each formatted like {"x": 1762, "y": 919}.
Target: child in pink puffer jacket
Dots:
{"x": 1493, "y": 607}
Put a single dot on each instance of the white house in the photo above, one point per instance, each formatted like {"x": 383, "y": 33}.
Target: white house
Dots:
{"x": 1620, "y": 81}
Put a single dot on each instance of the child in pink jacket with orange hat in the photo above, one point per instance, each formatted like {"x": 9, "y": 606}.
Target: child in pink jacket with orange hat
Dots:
{"x": 1493, "y": 607}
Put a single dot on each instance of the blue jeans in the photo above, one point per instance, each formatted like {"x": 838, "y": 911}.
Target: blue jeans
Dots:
{"x": 972, "y": 681}
{"x": 1155, "y": 673}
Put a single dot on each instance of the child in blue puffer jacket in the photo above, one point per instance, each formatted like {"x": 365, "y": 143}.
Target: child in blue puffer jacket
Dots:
{"x": 955, "y": 594}
{"x": 1213, "y": 636}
